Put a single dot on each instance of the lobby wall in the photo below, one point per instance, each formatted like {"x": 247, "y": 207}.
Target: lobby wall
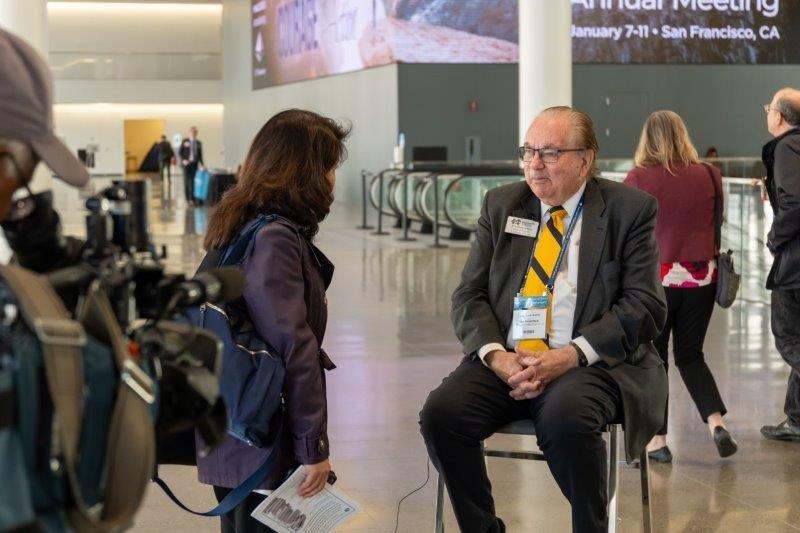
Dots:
{"x": 721, "y": 104}
{"x": 102, "y": 124}
{"x": 434, "y": 108}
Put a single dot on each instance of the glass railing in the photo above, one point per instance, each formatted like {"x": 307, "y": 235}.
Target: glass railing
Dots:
{"x": 464, "y": 194}
{"x": 135, "y": 66}
{"x": 739, "y": 167}
{"x": 747, "y": 220}
{"x": 460, "y": 195}
{"x": 748, "y": 217}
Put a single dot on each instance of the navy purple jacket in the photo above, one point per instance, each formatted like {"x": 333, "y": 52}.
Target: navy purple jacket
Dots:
{"x": 286, "y": 279}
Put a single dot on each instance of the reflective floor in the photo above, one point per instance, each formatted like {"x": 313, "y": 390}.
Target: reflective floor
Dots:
{"x": 390, "y": 335}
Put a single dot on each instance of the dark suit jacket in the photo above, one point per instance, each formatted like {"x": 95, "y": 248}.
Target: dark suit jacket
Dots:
{"x": 185, "y": 151}
{"x": 165, "y": 151}
{"x": 781, "y": 156}
{"x": 285, "y": 301}
{"x": 620, "y": 305}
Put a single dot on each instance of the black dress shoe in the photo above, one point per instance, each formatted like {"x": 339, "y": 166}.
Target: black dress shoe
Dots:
{"x": 661, "y": 455}
{"x": 783, "y": 431}
{"x": 726, "y": 445}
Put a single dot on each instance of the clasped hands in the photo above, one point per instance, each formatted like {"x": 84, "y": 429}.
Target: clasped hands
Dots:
{"x": 528, "y": 372}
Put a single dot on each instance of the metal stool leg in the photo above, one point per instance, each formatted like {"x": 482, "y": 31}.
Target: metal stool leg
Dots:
{"x": 613, "y": 476}
{"x": 647, "y": 512}
{"x": 439, "y": 524}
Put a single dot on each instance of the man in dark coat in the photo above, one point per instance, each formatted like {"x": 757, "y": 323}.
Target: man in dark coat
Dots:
{"x": 165, "y": 157}
{"x": 595, "y": 363}
{"x": 781, "y": 156}
{"x": 191, "y": 154}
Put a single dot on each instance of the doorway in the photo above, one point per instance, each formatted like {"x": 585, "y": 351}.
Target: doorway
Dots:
{"x": 141, "y": 138}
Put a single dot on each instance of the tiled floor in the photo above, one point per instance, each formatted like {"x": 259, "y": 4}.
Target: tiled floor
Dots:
{"x": 390, "y": 335}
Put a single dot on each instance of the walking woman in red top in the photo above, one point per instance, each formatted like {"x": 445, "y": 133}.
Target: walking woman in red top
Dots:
{"x": 667, "y": 167}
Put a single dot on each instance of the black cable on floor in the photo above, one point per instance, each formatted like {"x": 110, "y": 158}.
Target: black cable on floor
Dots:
{"x": 427, "y": 478}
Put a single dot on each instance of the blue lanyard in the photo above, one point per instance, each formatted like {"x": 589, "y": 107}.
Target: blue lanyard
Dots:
{"x": 551, "y": 283}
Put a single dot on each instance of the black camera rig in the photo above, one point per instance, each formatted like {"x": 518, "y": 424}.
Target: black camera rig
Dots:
{"x": 148, "y": 302}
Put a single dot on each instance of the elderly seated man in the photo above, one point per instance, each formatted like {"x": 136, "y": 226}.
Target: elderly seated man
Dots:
{"x": 558, "y": 303}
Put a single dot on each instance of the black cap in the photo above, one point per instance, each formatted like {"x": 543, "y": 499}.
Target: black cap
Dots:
{"x": 26, "y": 108}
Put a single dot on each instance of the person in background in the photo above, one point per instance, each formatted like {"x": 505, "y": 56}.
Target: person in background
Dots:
{"x": 289, "y": 171}
{"x": 712, "y": 157}
{"x": 166, "y": 156}
{"x": 667, "y": 167}
{"x": 191, "y": 154}
{"x": 781, "y": 156}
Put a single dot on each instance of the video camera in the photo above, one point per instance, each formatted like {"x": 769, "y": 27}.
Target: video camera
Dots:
{"x": 148, "y": 302}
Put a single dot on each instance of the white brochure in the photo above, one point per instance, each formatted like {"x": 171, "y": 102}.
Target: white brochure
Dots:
{"x": 286, "y": 512}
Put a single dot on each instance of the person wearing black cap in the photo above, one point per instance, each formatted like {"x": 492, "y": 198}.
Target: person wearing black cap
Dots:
{"x": 26, "y": 123}
{"x": 53, "y": 374}
{"x": 32, "y": 228}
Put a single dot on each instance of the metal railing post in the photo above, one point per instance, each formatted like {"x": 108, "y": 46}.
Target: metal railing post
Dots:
{"x": 380, "y": 231}
{"x": 436, "y": 243}
{"x": 404, "y": 219}
{"x": 364, "y": 200}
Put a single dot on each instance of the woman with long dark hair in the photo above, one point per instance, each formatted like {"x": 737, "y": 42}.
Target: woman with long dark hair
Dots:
{"x": 667, "y": 167}
{"x": 289, "y": 171}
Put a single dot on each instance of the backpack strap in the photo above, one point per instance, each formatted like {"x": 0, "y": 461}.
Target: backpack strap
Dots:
{"x": 132, "y": 432}
{"x": 242, "y": 246}
{"x": 238, "y": 494}
{"x": 131, "y": 446}
{"x": 238, "y": 250}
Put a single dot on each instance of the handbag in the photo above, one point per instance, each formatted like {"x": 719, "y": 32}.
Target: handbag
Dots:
{"x": 201, "y": 180}
{"x": 727, "y": 278}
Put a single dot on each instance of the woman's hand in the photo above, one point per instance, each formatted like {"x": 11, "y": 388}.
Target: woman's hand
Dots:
{"x": 316, "y": 477}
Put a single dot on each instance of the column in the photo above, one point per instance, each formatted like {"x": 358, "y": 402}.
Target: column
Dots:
{"x": 27, "y": 19}
{"x": 545, "y": 57}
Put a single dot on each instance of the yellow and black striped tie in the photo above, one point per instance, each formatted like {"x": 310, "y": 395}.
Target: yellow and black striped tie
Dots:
{"x": 545, "y": 254}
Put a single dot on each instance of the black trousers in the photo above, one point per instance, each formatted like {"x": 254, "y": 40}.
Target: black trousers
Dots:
{"x": 688, "y": 314}
{"x": 188, "y": 180}
{"x": 165, "y": 167}
{"x": 786, "y": 328}
{"x": 239, "y": 520}
{"x": 472, "y": 403}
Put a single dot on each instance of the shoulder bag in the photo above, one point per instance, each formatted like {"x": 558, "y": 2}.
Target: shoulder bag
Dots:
{"x": 727, "y": 278}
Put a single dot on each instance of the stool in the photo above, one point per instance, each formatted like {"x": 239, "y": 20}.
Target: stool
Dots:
{"x": 526, "y": 427}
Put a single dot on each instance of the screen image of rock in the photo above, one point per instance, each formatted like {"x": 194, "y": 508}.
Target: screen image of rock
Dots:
{"x": 686, "y": 31}
{"x": 294, "y": 40}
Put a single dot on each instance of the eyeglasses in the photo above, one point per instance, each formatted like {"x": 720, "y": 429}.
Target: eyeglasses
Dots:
{"x": 548, "y": 155}
{"x": 767, "y": 108}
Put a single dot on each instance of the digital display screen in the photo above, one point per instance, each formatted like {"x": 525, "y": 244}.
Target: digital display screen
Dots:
{"x": 686, "y": 31}
{"x": 295, "y": 40}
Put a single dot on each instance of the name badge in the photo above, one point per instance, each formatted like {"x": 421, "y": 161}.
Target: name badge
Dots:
{"x": 529, "y": 320}
{"x": 522, "y": 226}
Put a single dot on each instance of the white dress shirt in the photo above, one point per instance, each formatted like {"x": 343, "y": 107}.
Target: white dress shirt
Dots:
{"x": 565, "y": 291}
